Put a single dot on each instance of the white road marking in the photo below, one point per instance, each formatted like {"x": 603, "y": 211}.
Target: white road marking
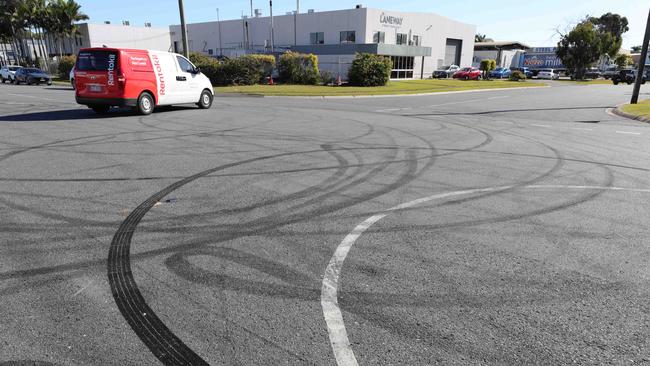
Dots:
{"x": 540, "y": 125}
{"x": 581, "y": 128}
{"x": 629, "y": 133}
{"x": 505, "y": 96}
{"x": 82, "y": 289}
{"x": 338, "y": 335}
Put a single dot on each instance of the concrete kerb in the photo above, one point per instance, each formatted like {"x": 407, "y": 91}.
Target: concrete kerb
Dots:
{"x": 617, "y": 111}
{"x": 373, "y": 96}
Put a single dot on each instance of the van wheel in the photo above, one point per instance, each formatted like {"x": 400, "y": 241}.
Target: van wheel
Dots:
{"x": 100, "y": 109}
{"x": 206, "y": 100}
{"x": 145, "y": 104}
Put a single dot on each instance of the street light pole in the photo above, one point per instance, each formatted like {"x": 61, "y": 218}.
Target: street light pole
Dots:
{"x": 272, "y": 35}
{"x": 642, "y": 59}
{"x": 219, "y": 25}
{"x": 295, "y": 23}
{"x": 186, "y": 51}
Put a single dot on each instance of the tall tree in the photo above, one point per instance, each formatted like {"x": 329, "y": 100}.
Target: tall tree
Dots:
{"x": 580, "y": 48}
{"x": 611, "y": 26}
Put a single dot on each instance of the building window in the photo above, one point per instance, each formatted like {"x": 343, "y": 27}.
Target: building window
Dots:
{"x": 401, "y": 38}
{"x": 317, "y": 38}
{"x": 348, "y": 37}
{"x": 402, "y": 67}
{"x": 417, "y": 40}
{"x": 379, "y": 37}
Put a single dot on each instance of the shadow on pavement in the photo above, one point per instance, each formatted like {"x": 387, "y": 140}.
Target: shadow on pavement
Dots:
{"x": 79, "y": 114}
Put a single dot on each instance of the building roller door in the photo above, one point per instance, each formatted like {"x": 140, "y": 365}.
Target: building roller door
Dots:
{"x": 452, "y": 51}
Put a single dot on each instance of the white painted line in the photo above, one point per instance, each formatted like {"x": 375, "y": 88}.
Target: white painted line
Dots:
{"x": 505, "y": 96}
{"x": 82, "y": 289}
{"x": 389, "y": 110}
{"x": 540, "y": 125}
{"x": 338, "y": 335}
{"x": 581, "y": 128}
{"x": 629, "y": 133}
{"x": 329, "y": 296}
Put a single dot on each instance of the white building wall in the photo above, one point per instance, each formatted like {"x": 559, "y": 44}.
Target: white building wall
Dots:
{"x": 433, "y": 29}
{"x": 148, "y": 38}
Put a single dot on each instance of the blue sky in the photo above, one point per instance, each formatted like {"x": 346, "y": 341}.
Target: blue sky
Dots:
{"x": 530, "y": 21}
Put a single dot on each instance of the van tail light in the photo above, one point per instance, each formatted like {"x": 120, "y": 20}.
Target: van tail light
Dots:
{"x": 121, "y": 80}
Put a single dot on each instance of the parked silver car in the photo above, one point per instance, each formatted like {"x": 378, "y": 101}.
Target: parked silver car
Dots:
{"x": 445, "y": 72}
{"x": 8, "y": 73}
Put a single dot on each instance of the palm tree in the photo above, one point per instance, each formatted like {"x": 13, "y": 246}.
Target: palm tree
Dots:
{"x": 24, "y": 16}
{"x": 67, "y": 13}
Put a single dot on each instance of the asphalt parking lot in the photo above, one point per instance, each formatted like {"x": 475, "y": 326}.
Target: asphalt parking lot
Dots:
{"x": 484, "y": 228}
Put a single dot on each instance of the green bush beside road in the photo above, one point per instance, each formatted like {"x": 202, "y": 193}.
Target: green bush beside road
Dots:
{"x": 369, "y": 70}
{"x": 517, "y": 76}
{"x": 298, "y": 68}
{"x": 65, "y": 65}
{"x": 244, "y": 70}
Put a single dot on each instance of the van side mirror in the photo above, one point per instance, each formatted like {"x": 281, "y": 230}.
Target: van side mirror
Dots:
{"x": 196, "y": 70}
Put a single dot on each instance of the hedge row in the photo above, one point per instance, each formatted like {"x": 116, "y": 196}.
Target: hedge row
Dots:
{"x": 293, "y": 68}
{"x": 244, "y": 70}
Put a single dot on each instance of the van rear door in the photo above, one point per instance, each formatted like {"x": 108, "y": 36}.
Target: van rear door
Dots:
{"x": 96, "y": 74}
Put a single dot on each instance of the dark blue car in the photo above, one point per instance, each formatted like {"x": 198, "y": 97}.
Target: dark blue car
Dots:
{"x": 30, "y": 75}
{"x": 528, "y": 72}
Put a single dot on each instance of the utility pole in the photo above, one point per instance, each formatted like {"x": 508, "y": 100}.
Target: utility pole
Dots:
{"x": 642, "y": 59}
{"x": 272, "y": 35}
{"x": 251, "y": 8}
{"x": 186, "y": 51}
{"x": 295, "y": 23}
{"x": 219, "y": 25}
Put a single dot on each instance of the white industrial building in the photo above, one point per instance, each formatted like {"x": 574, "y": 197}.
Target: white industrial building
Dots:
{"x": 417, "y": 43}
{"x": 121, "y": 35}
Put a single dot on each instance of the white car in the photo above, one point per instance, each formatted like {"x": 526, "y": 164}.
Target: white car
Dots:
{"x": 549, "y": 74}
{"x": 71, "y": 77}
{"x": 8, "y": 73}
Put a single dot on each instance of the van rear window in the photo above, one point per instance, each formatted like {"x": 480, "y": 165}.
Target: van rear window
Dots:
{"x": 96, "y": 61}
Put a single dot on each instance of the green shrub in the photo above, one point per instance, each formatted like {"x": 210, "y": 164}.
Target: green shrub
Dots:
{"x": 65, "y": 65}
{"x": 369, "y": 70}
{"x": 517, "y": 76}
{"x": 487, "y": 66}
{"x": 244, "y": 70}
{"x": 264, "y": 63}
{"x": 298, "y": 68}
{"x": 198, "y": 59}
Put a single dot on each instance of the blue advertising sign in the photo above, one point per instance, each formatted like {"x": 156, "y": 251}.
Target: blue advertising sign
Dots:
{"x": 543, "y": 60}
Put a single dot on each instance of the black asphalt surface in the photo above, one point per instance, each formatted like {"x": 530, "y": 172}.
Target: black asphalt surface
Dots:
{"x": 202, "y": 237}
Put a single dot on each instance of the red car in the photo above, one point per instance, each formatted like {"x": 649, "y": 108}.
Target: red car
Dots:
{"x": 468, "y": 73}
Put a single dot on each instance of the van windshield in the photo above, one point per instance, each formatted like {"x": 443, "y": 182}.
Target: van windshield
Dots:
{"x": 96, "y": 61}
